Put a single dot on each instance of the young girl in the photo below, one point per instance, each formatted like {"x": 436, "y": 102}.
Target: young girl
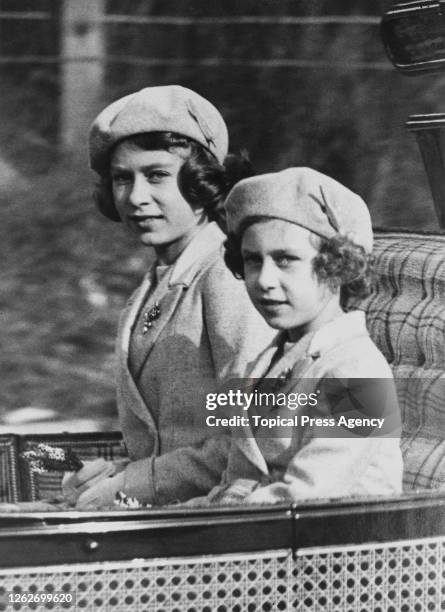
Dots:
{"x": 302, "y": 242}
{"x": 160, "y": 154}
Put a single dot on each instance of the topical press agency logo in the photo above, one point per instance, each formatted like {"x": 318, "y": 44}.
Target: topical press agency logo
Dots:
{"x": 332, "y": 407}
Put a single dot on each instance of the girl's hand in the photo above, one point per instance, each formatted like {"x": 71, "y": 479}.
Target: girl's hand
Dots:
{"x": 102, "y": 494}
{"x": 74, "y": 484}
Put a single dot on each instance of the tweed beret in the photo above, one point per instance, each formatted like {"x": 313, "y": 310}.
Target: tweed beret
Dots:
{"x": 169, "y": 108}
{"x": 305, "y": 197}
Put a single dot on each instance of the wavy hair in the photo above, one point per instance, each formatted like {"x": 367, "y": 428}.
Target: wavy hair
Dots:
{"x": 202, "y": 180}
{"x": 339, "y": 263}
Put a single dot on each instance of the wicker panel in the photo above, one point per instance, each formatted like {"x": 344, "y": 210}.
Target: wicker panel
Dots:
{"x": 87, "y": 446}
{"x": 394, "y": 577}
{"x": 398, "y": 577}
{"x": 206, "y": 584}
{"x": 9, "y": 475}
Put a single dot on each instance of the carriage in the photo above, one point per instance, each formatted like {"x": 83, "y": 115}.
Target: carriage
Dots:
{"x": 348, "y": 554}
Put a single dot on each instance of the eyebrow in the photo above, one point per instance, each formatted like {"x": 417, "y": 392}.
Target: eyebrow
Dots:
{"x": 147, "y": 168}
{"x": 276, "y": 253}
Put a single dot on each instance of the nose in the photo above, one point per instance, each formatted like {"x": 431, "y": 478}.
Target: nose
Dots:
{"x": 140, "y": 192}
{"x": 266, "y": 278}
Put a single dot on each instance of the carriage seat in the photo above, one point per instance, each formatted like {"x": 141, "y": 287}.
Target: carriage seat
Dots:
{"x": 406, "y": 319}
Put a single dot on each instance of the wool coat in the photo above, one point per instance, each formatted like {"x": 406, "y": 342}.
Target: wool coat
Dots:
{"x": 290, "y": 465}
{"x": 204, "y": 331}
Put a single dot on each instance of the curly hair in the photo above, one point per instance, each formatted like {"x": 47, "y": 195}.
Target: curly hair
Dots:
{"x": 339, "y": 263}
{"x": 202, "y": 180}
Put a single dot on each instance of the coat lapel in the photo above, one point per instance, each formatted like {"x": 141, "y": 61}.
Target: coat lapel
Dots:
{"x": 189, "y": 263}
{"x": 167, "y": 304}
{"x": 296, "y": 358}
{"x": 244, "y": 436}
{"x": 129, "y": 315}
{"x": 301, "y": 358}
{"x": 126, "y": 385}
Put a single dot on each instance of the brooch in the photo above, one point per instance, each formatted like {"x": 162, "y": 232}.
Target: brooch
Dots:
{"x": 150, "y": 316}
{"x": 282, "y": 378}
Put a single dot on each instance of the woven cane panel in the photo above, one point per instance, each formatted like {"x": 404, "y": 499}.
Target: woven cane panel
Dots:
{"x": 9, "y": 476}
{"x": 396, "y": 577}
{"x": 209, "y": 584}
{"x": 402, "y": 577}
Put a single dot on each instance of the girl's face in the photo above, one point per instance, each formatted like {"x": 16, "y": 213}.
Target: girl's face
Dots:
{"x": 148, "y": 200}
{"x": 278, "y": 274}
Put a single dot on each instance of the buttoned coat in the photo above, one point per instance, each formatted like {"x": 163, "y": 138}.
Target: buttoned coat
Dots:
{"x": 207, "y": 331}
{"x": 310, "y": 462}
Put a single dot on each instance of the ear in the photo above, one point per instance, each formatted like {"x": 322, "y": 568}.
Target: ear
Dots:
{"x": 199, "y": 211}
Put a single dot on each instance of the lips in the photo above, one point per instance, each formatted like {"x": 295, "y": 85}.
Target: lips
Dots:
{"x": 139, "y": 218}
{"x": 144, "y": 221}
{"x": 270, "y": 304}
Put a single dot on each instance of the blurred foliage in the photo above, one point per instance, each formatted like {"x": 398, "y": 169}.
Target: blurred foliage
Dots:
{"x": 67, "y": 272}
{"x": 64, "y": 283}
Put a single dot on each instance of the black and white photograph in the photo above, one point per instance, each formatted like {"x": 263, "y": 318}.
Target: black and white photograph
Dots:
{"x": 223, "y": 305}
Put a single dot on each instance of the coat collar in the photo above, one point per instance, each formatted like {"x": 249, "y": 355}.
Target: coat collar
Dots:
{"x": 315, "y": 344}
{"x": 349, "y": 325}
{"x": 190, "y": 261}
{"x": 300, "y": 355}
{"x": 312, "y": 345}
{"x": 183, "y": 271}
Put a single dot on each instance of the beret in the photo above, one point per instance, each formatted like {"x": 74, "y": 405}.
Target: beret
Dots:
{"x": 169, "y": 108}
{"x": 305, "y": 197}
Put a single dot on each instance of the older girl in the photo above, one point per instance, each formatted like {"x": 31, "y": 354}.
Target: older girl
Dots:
{"x": 302, "y": 243}
{"x": 161, "y": 157}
